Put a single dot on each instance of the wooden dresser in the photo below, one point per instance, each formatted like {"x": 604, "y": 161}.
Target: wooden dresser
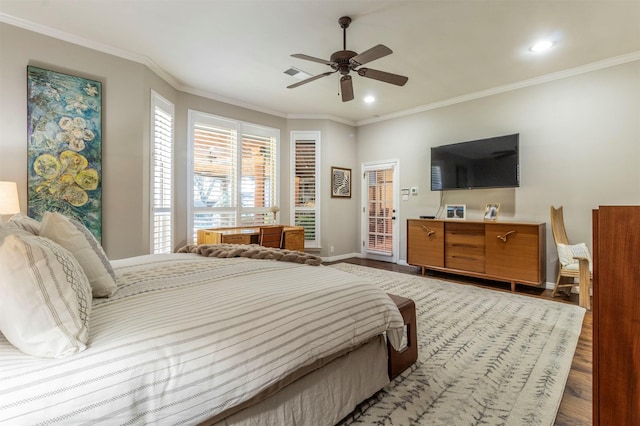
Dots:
{"x": 616, "y": 315}
{"x": 293, "y": 236}
{"x": 503, "y": 251}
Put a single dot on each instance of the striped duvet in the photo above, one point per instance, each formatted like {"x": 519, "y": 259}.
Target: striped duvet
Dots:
{"x": 186, "y": 338}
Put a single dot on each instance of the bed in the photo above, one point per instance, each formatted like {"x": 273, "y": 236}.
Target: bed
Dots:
{"x": 188, "y": 339}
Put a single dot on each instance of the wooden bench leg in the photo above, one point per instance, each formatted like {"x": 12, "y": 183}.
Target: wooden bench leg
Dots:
{"x": 399, "y": 361}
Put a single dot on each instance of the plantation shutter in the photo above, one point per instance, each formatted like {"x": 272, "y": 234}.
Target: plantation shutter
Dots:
{"x": 162, "y": 175}
{"x": 306, "y": 185}
{"x": 258, "y": 179}
{"x": 380, "y": 211}
{"x": 214, "y": 176}
{"x": 234, "y": 172}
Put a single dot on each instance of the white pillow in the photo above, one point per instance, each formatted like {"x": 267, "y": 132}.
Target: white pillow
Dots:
{"x": 12, "y": 227}
{"x": 76, "y": 238}
{"x": 566, "y": 253}
{"x": 23, "y": 221}
{"x": 46, "y": 297}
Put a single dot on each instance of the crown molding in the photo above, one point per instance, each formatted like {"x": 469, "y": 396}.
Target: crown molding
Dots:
{"x": 61, "y": 35}
{"x": 594, "y": 66}
{"x": 234, "y": 102}
{"x": 321, "y": 117}
{"x": 124, "y": 54}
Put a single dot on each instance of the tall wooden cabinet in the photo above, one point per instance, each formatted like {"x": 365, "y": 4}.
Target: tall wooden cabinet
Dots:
{"x": 616, "y": 315}
{"x": 504, "y": 251}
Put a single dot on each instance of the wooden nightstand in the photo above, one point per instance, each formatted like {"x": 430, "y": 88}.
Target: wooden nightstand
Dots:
{"x": 399, "y": 361}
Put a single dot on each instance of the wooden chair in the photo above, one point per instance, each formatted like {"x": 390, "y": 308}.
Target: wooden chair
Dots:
{"x": 271, "y": 236}
{"x": 569, "y": 270}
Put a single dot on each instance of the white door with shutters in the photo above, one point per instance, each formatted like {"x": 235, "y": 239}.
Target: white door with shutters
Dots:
{"x": 380, "y": 232}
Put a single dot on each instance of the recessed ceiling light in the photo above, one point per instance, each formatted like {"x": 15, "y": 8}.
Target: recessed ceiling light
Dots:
{"x": 541, "y": 46}
{"x": 369, "y": 99}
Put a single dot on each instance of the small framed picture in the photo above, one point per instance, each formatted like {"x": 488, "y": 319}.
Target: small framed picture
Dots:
{"x": 340, "y": 182}
{"x": 455, "y": 211}
{"x": 491, "y": 211}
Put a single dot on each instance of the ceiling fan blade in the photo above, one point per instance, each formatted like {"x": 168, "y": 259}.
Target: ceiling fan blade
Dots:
{"x": 376, "y": 52}
{"x": 387, "y": 77}
{"x": 311, "y": 58}
{"x": 309, "y": 80}
{"x": 346, "y": 87}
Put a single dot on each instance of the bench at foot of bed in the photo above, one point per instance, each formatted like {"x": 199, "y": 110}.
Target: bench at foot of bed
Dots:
{"x": 402, "y": 359}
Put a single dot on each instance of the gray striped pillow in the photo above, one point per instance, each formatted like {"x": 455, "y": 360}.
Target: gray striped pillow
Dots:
{"x": 46, "y": 297}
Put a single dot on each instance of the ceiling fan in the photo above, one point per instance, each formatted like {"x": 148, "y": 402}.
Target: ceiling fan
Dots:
{"x": 344, "y": 61}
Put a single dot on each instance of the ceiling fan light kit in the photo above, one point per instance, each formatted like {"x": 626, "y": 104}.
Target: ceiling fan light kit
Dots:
{"x": 344, "y": 61}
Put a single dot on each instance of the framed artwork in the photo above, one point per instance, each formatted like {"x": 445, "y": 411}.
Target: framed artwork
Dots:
{"x": 340, "y": 182}
{"x": 491, "y": 211}
{"x": 455, "y": 211}
{"x": 64, "y": 154}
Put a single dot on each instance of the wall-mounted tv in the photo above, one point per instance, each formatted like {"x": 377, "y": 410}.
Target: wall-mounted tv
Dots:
{"x": 482, "y": 163}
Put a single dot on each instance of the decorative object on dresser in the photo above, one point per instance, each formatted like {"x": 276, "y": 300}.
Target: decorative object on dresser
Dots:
{"x": 491, "y": 211}
{"x": 616, "y": 315}
{"x": 513, "y": 252}
{"x": 485, "y": 357}
{"x": 340, "y": 182}
{"x": 455, "y": 211}
{"x": 574, "y": 261}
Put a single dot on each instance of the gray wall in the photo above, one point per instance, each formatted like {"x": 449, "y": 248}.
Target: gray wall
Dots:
{"x": 579, "y": 141}
{"x": 579, "y": 148}
{"x": 126, "y": 127}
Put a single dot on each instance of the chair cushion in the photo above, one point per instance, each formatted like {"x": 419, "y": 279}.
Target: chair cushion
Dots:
{"x": 567, "y": 253}
{"x": 575, "y": 267}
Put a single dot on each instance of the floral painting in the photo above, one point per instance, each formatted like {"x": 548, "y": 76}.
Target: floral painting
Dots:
{"x": 64, "y": 115}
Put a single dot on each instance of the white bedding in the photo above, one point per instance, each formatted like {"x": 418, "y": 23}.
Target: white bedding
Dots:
{"x": 185, "y": 338}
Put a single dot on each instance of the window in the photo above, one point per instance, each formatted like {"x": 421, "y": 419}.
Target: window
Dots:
{"x": 305, "y": 148}
{"x": 233, "y": 170}
{"x": 162, "y": 112}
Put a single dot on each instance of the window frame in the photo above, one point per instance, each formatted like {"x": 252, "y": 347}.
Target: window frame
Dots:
{"x": 315, "y": 136}
{"x": 241, "y": 128}
{"x": 158, "y": 101}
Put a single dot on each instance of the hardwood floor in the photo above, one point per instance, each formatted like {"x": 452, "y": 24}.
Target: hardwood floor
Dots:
{"x": 575, "y": 408}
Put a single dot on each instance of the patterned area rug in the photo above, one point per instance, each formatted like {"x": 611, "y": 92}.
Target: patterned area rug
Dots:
{"x": 484, "y": 356}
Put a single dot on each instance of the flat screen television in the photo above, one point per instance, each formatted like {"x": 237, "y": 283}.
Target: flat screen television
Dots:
{"x": 482, "y": 163}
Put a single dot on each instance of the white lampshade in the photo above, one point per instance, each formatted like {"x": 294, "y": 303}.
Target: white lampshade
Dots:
{"x": 9, "y": 203}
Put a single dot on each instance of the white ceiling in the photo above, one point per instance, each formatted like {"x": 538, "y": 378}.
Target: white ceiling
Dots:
{"x": 238, "y": 50}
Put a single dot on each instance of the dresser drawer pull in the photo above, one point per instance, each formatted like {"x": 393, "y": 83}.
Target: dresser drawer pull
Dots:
{"x": 429, "y": 232}
{"x": 505, "y": 236}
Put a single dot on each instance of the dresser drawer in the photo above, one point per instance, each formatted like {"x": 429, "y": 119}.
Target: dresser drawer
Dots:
{"x": 466, "y": 260}
{"x": 465, "y": 247}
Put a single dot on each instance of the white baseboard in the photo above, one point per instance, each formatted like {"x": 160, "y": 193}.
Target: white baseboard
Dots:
{"x": 340, "y": 257}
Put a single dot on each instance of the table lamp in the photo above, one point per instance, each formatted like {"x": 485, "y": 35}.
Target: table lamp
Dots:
{"x": 9, "y": 203}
